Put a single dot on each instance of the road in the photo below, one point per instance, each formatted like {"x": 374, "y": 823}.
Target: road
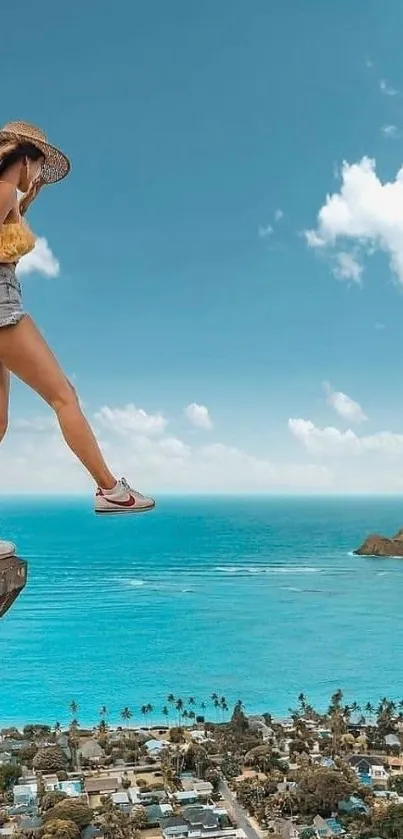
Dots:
{"x": 240, "y": 814}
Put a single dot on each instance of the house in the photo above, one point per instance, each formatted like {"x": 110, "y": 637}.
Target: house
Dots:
{"x": 327, "y": 828}
{"x": 155, "y": 747}
{"x": 370, "y": 770}
{"x": 353, "y": 805}
{"x": 286, "y": 829}
{"x": 201, "y": 819}
{"x": 185, "y": 796}
{"x": 174, "y": 826}
{"x": 259, "y": 724}
{"x": 95, "y": 788}
{"x": 5, "y": 758}
{"x": 73, "y": 788}
{"x": 25, "y": 794}
{"x": 91, "y": 750}
{"x": 392, "y": 741}
{"x": 31, "y": 825}
{"x": 156, "y": 813}
{"x": 394, "y": 764}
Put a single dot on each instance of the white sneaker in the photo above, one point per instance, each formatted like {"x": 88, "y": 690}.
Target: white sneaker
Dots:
{"x": 122, "y": 499}
{"x": 6, "y": 549}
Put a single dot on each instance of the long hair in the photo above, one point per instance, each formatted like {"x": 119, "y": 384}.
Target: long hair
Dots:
{"x": 13, "y": 150}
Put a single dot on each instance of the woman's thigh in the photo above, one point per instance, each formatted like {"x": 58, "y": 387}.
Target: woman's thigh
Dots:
{"x": 4, "y": 395}
{"x": 25, "y": 353}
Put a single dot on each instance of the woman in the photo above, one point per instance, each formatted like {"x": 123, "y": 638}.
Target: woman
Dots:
{"x": 27, "y": 162}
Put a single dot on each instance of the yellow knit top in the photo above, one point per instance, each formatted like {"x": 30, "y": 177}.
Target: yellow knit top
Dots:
{"x": 16, "y": 239}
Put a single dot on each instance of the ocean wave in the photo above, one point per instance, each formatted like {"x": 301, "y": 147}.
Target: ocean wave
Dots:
{"x": 134, "y": 583}
{"x": 270, "y": 570}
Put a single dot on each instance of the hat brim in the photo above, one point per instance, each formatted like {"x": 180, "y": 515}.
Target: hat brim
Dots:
{"x": 55, "y": 166}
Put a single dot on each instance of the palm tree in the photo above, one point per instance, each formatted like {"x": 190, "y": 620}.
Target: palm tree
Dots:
{"x": 355, "y": 708}
{"x": 191, "y": 701}
{"x": 192, "y": 715}
{"x": 179, "y": 705}
{"x": 217, "y": 706}
{"x": 223, "y": 706}
{"x": 185, "y": 715}
{"x": 126, "y": 714}
{"x": 165, "y": 712}
{"x": 203, "y": 706}
{"x": 103, "y": 712}
{"x": 369, "y": 709}
{"x": 150, "y": 709}
{"x": 144, "y": 711}
{"x": 73, "y": 708}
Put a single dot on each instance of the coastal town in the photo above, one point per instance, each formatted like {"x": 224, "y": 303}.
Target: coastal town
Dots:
{"x": 241, "y": 776}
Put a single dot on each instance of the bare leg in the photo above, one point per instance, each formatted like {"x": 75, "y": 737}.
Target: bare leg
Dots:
{"x": 4, "y": 399}
{"x": 25, "y": 353}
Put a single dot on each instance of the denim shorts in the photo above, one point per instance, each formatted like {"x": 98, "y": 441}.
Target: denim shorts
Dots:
{"x": 11, "y": 308}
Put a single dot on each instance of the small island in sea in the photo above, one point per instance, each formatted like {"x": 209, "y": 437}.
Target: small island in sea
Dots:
{"x": 376, "y": 545}
{"x": 312, "y": 775}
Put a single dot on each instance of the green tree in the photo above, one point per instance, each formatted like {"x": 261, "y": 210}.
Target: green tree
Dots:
{"x": 390, "y": 824}
{"x": 139, "y": 818}
{"x": 126, "y": 715}
{"x": 73, "y": 708}
{"x": 319, "y": 791}
{"x": 9, "y": 775}
{"x": 71, "y": 809}
{"x": 165, "y": 712}
{"x": 61, "y": 829}
{"x": 179, "y": 705}
{"x": 51, "y": 798}
{"x": 49, "y": 760}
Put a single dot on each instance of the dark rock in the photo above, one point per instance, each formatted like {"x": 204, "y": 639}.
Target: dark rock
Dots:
{"x": 13, "y": 577}
{"x": 376, "y": 545}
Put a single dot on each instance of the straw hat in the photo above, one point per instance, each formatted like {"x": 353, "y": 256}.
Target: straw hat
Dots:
{"x": 56, "y": 165}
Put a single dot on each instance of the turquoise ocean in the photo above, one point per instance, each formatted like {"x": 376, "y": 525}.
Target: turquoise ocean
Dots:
{"x": 254, "y": 598}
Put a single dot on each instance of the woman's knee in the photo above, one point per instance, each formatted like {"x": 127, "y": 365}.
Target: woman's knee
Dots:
{"x": 64, "y": 397}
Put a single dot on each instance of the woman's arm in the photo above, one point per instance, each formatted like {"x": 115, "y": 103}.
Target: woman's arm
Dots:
{"x": 29, "y": 196}
{"x": 7, "y": 199}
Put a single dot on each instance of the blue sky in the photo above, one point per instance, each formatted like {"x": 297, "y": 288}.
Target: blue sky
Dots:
{"x": 204, "y": 140}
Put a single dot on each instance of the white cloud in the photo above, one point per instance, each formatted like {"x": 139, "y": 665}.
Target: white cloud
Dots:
{"x": 330, "y": 442}
{"x": 347, "y": 267}
{"x": 386, "y": 89}
{"x": 278, "y": 215}
{"x": 199, "y": 416}
{"x": 391, "y": 132}
{"x": 41, "y": 423}
{"x": 131, "y": 419}
{"x": 40, "y": 261}
{"x": 366, "y": 212}
{"x": 155, "y": 462}
{"x": 344, "y": 406}
{"x": 265, "y": 231}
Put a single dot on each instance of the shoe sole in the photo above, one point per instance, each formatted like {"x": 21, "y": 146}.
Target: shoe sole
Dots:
{"x": 124, "y": 510}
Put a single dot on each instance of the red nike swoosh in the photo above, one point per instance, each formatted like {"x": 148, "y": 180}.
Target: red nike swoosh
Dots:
{"x": 129, "y": 503}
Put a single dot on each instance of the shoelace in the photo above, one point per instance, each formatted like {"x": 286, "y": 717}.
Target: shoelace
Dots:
{"x": 128, "y": 488}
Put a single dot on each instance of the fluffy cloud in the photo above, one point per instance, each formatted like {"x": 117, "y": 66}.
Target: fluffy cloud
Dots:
{"x": 330, "y": 442}
{"x": 366, "y": 213}
{"x": 136, "y": 445}
{"x": 131, "y": 419}
{"x": 346, "y": 407}
{"x": 391, "y": 132}
{"x": 265, "y": 231}
{"x": 387, "y": 90}
{"x": 278, "y": 215}
{"x": 347, "y": 267}
{"x": 40, "y": 261}
{"x": 199, "y": 416}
